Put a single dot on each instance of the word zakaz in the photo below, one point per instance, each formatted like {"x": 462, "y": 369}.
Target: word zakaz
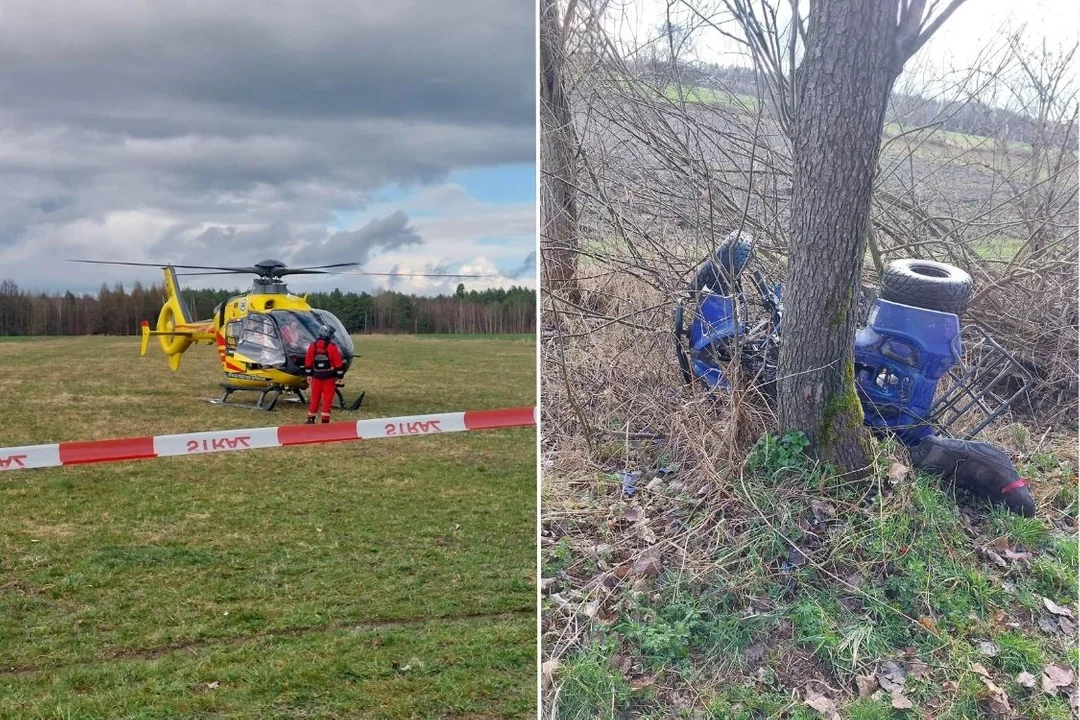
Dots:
{"x": 216, "y": 444}
{"x": 18, "y": 460}
{"x": 413, "y": 428}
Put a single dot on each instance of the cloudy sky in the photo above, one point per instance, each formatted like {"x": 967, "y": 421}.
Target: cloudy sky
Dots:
{"x": 396, "y": 134}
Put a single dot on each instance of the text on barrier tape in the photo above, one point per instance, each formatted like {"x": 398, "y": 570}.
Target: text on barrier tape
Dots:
{"x": 137, "y": 448}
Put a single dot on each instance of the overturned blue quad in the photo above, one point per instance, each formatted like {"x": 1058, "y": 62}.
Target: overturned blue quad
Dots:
{"x": 920, "y": 375}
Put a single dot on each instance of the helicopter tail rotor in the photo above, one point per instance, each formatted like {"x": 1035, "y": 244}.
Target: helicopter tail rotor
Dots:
{"x": 176, "y": 330}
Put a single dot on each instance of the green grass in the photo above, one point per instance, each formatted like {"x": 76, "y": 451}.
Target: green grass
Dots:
{"x": 1002, "y": 247}
{"x": 891, "y": 576}
{"x": 390, "y": 578}
{"x": 958, "y": 140}
{"x": 709, "y": 96}
{"x": 481, "y": 338}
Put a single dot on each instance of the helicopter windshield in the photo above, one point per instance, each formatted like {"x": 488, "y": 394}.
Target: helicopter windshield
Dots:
{"x": 299, "y": 329}
{"x": 341, "y": 335}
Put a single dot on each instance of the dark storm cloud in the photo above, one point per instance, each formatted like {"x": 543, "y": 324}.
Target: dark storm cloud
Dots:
{"x": 315, "y": 247}
{"x": 527, "y": 267}
{"x": 241, "y": 114}
{"x": 388, "y": 233}
{"x": 427, "y": 60}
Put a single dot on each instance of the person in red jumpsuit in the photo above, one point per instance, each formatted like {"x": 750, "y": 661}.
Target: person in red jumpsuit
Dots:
{"x": 323, "y": 366}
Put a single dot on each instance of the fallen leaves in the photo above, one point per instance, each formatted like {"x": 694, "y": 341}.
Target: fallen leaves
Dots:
{"x": 995, "y": 558}
{"x": 1057, "y": 609}
{"x": 648, "y": 563}
{"x": 547, "y": 673}
{"x": 900, "y": 702}
{"x": 1025, "y": 680}
{"x": 867, "y": 685}
{"x": 917, "y": 669}
{"x": 998, "y": 700}
{"x": 891, "y": 677}
{"x": 822, "y": 510}
{"x": 1049, "y": 624}
{"x": 1055, "y": 677}
{"x": 823, "y": 705}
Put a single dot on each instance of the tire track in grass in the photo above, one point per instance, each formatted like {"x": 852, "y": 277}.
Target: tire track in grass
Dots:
{"x": 229, "y": 641}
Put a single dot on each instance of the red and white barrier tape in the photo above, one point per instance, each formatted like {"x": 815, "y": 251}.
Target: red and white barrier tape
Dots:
{"x": 138, "y": 448}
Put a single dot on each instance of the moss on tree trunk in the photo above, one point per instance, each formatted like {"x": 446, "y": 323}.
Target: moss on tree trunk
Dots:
{"x": 846, "y": 77}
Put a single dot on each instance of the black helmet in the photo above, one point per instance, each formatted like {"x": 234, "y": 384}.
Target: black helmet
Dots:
{"x": 325, "y": 332}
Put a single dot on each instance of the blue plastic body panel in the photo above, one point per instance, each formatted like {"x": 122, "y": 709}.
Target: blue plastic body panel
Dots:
{"x": 900, "y": 355}
{"x": 714, "y": 323}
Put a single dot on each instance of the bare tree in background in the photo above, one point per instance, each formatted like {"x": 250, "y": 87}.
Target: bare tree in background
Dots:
{"x": 558, "y": 149}
{"x": 854, "y": 51}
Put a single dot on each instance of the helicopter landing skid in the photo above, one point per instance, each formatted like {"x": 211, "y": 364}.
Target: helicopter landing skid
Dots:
{"x": 268, "y": 396}
{"x": 341, "y": 400}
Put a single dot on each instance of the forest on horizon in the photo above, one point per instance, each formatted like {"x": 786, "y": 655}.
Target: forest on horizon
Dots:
{"x": 116, "y": 311}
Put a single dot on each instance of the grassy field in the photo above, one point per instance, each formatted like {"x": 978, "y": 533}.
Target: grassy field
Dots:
{"x": 392, "y": 578}
{"x": 710, "y": 96}
{"x": 790, "y": 584}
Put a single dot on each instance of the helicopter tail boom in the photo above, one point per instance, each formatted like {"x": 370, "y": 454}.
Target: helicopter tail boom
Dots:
{"x": 176, "y": 331}
{"x": 172, "y": 292}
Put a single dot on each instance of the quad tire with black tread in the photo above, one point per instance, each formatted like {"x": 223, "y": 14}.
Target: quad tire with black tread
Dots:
{"x": 926, "y": 284}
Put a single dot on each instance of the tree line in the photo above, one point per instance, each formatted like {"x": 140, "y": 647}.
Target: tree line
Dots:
{"x": 116, "y": 311}
{"x": 969, "y": 115}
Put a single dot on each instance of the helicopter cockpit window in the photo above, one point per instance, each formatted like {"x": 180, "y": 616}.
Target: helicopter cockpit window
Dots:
{"x": 259, "y": 340}
{"x": 299, "y": 329}
{"x": 341, "y": 336}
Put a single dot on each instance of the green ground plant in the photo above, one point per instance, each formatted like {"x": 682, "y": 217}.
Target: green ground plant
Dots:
{"x": 819, "y": 582}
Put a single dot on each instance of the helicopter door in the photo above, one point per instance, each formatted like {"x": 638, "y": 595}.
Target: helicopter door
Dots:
{"x": 259, "y": 344}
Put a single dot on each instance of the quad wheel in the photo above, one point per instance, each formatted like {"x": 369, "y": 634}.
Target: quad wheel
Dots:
{"x": 926, "y": 284}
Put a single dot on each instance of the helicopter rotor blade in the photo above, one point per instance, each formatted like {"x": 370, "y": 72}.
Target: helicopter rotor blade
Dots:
{"x": 381, "y": 274}
{"x": 394, "y": 274}
{"x": 305, "y": 271}
{"x": 212, "y": 272}
{"x": 325, "y": 267}
{"x": 164, "y": 265}
{"x": 279, "y": 272}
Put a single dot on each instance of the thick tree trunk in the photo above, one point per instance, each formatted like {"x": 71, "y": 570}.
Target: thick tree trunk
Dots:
{"x": 846, "y": 78}
{"x": 558, "y": 149}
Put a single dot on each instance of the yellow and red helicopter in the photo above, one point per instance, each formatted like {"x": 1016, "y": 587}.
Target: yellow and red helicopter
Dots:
{"x": 261, "y": 336}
